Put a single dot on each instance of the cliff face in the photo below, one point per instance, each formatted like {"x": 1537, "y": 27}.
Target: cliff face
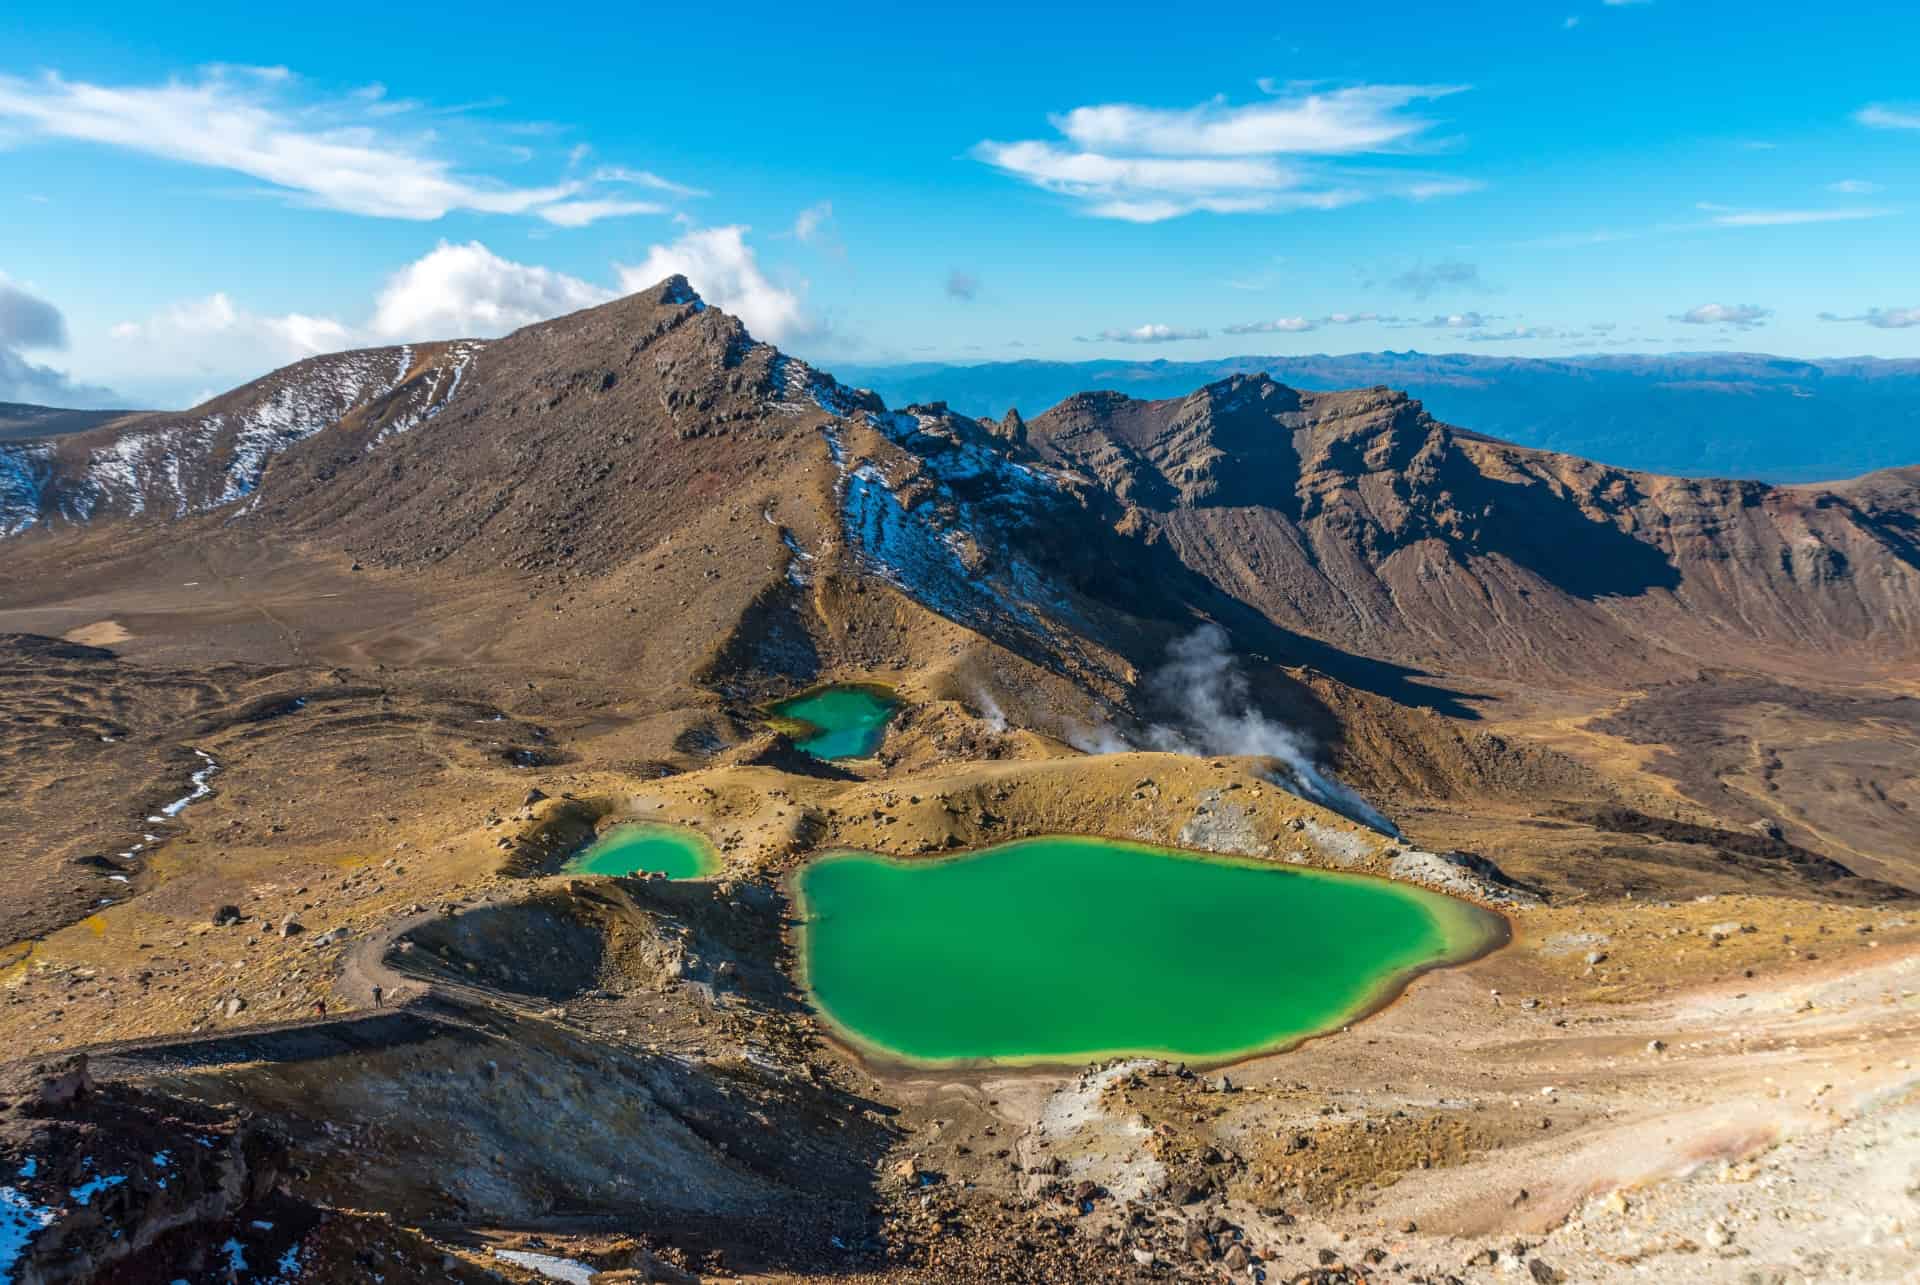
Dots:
{"x": 1359, "y": 519}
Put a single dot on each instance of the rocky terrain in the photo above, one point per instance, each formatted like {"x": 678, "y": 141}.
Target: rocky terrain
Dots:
{"x": 310, "y": 692}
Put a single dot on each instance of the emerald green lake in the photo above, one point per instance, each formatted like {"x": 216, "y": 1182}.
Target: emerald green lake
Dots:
{"x": 1067, "y": 949}
{"x": 645, "y": 846}
{"x": 838, "y": 722}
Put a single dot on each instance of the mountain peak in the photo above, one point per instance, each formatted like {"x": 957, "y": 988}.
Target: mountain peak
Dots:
{"x": 676, "y": 289}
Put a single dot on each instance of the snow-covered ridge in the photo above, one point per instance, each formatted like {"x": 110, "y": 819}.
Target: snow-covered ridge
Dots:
{"x": 193, "y": 464}
{"x": 931, "y": 520}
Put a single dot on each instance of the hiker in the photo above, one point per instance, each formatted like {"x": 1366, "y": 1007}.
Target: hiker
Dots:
{"x": 319, "y": 1008}
{"x": 376, "y": 995}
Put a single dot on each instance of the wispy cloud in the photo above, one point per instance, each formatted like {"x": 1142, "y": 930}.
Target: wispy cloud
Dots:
{"x": 578, "y": 214}
{"x": 1278, "y": 326}
{"x": 1460, "y": 321}
{"x": 1597, "y": 332}
{"x": 963, "y": 286}
{"x": 1300, "y": 325}
{"x": 807, "y": 224}
{"x": 1727, "y": 217}
{"x": 1854, "y": 187}
{"x": 1422, "y": 280}
{"x": 639, "y": 178}
{"x": 1147, "y": 334}
{"x": 1883, "y": 318}
{"x": 1741, "y": 316}
{"x": 1881, "y": 116}
{"x": 340, "y": 154}
{"x": 1365, "y": 118}
{"x": 1145, "y": 164}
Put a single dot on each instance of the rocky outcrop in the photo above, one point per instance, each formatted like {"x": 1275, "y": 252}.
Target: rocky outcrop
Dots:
{"x": 1358, "y": 519}
{"x": 95, "y": 1176}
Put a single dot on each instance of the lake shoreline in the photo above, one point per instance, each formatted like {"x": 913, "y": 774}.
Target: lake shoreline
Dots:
{"x": 1469, "y": 931}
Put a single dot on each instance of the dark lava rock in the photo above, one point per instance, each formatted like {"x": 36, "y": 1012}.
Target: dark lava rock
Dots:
{"x": 226, "y": 915}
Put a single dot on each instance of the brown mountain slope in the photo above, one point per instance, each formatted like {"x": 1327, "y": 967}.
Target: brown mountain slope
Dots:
{"x": 1357, "y": 518}
{"x": 164, "y": 466}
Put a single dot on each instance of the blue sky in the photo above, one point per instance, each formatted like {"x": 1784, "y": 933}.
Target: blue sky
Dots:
{"x": 190, "y": 198}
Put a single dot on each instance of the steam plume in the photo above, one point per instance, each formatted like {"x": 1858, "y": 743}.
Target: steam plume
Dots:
{"x": 1202, "y": 679}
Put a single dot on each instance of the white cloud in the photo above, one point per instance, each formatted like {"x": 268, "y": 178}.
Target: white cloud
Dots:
{"x": 1301, "y": 325}
{"x": 1459, "y": 321}
{"x": 454, "y": 291}
{"x": 1145, "y": 164}
{"x": 1883, "y": 318}
{"x": 578, "y": 214}
{"x": 335, "y": 154}
{"x": 723, "y": 268}
{"x": 1426, "y": 189}
{"x": 1880, "y": 116}
{"x": 1730, "y": 218}
{"x": 214, "y": 334}
{"x": 1147, "y": 334}
{"x": 1364, "y": 118}
{"x": 1278, "y": 326}
{"x": 808, "y": 223}
{"x": 466, "y": 290}
{"x": 640, "y": 178}
{"x": 1853, "y": 186}
{"x": 1743, "y": 316}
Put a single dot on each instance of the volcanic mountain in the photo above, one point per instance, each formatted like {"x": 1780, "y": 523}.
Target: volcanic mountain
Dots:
{"x": 1354, "y": 519}
{"x": 309, "y": 696}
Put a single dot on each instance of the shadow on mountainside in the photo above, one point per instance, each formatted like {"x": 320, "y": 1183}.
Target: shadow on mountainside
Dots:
{"x": 1582, "y": 556}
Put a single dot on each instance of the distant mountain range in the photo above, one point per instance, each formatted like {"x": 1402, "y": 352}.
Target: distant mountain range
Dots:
{"x": 19, "y": 421}
{"x": 1737, "y": 415}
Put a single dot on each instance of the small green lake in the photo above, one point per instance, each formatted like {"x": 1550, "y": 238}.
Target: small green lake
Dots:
{"x": 635, "y": 847}
{"x": 844, "y": 722}
{"x": 1068, "y": 949}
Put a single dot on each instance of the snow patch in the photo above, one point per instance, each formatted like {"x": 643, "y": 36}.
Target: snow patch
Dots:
{"x": 24, "y": 471}
{"x": 570, "y": 1270}
{"x": 439, "y": 392}
{"x": 86, "y": 1191}
{"x": 20, "y": 1221}
{"x": 236, "y": 1254}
